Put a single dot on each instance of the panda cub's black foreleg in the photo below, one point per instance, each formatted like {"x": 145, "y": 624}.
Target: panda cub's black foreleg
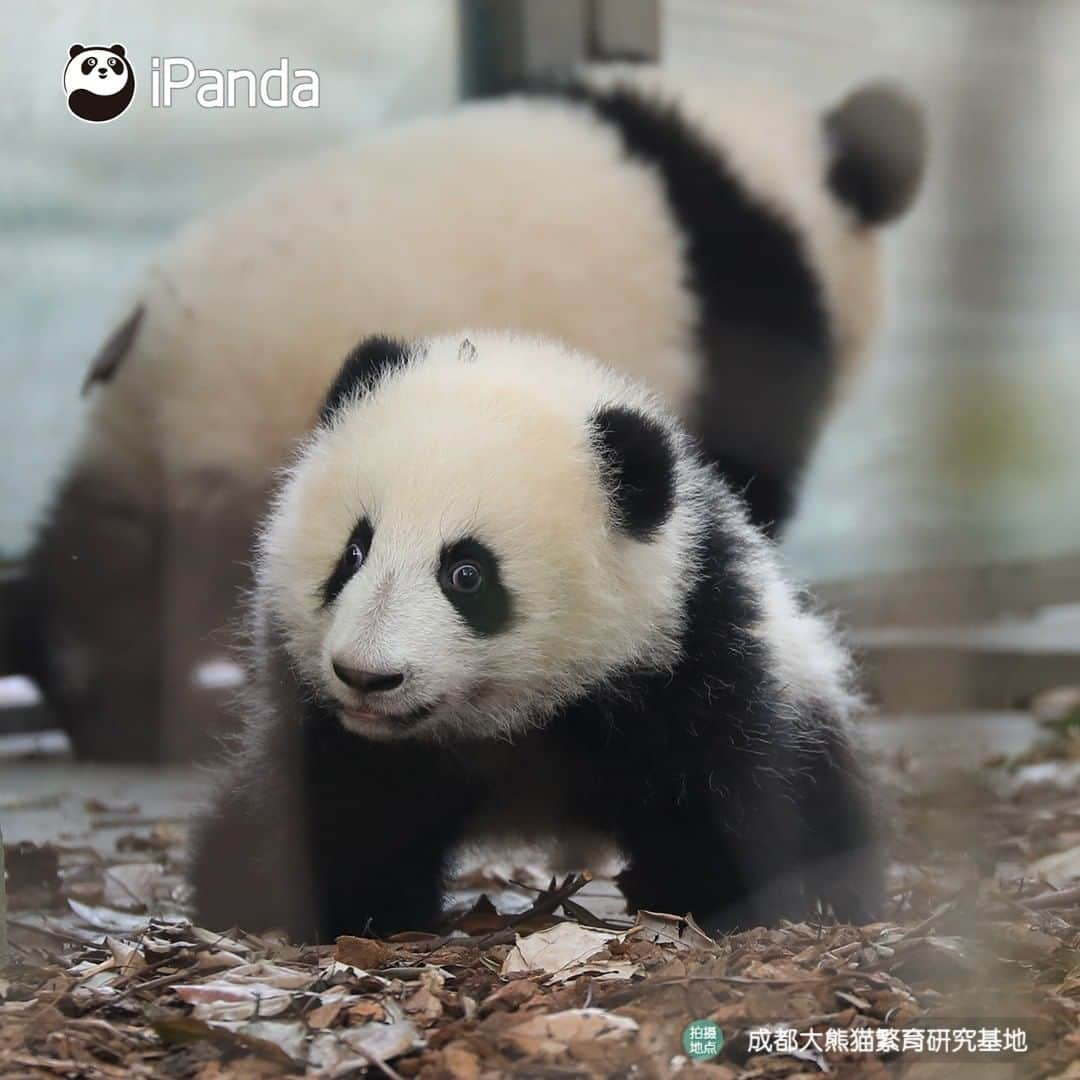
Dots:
{"x": 379, "y": 854}
{"x": 328, "y": 834}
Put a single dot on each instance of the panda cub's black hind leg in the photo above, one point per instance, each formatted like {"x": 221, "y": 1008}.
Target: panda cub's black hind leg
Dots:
{"x": 684, "y": 870}
{"x": 845, "y": 856}
{"x": 750, "y": 834}
{"x": 705, "y": 857}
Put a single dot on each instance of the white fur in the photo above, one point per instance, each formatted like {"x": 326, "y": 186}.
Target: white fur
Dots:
{"x": 808, "y": 664}
{"x": 515, "y": 214}
{"x": 497, "y": 448}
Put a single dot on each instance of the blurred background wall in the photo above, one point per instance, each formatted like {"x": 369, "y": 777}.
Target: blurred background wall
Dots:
{"x": 963, "y": 441}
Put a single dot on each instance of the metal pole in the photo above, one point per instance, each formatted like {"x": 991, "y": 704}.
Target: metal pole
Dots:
{"x": 510, "y": 43}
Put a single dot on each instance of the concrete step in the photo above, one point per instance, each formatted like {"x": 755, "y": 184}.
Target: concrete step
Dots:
{"x": 1001, "y": 664}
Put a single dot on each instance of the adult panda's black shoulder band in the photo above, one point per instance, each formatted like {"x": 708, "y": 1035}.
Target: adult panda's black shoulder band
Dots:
{"x": 762, "y": 327}
{"x": 361, "y": 370}
{"x": 747, "y": 265}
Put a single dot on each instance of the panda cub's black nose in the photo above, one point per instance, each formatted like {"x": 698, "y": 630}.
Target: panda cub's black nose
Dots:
{"x": 368, "y": 682}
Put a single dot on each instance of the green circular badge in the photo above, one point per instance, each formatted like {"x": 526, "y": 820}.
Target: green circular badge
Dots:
{"x": 702, "y": 1039}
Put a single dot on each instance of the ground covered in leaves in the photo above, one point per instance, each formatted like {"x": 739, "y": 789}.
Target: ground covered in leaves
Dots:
{"x": 108, "y": 978}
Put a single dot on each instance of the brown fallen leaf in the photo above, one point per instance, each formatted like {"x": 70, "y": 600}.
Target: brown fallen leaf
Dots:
{"x": 1059, "y": 869}
{"x": 482, "y": 918}
{"x": 323, "y": 1016}
{"x": 174, "y": 1030}
{"x": 556, "y": 949}
{"x": 424, "y": 1006}
{"x": 1025, "y": 942}
{"x": 364, "y": 953}
{"x": 364, "y": 1011}
{"x": 216, "y": 999}
{"x": 509, "y": 996}
{"x": 343, "y": 1050}
{"x": 132, "y": 886}
{"x": 860, "y": 1003}
{"x": 461, "y": 1063}
{"x": 550, "y": 1035}
{"x": 679, "y": 930}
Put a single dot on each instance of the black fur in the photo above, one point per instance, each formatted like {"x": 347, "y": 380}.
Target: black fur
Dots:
{"x": 489, "y": 610}
{"x": 362, "y": 369}
{"x": 638, "y": 469}
{"x": 771, "y": 493}
{"x": 762, "y": 325}
{"x": 103, "y": 606}
{"x": 726, "y": 802}
{"x": 878, "y": 151}
{"x": 362, "y": 535}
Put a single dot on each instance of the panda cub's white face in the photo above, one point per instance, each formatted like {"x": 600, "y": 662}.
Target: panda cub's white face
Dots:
{"x": 443, "y": 559}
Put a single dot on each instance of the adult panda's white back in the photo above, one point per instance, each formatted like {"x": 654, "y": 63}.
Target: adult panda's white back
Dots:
{"x": 522, "y": 213}
{"x": 510, "y": 214}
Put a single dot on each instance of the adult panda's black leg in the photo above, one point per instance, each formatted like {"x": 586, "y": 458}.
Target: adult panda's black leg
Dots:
{"x": 248, "y": 869}
{"x": 88, "y": 629}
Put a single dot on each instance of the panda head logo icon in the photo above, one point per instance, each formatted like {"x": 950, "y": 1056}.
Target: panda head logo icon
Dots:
{"x": 98, "y": 82}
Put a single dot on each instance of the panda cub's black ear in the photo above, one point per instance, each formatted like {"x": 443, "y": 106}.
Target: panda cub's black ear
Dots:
{"x": 75, "y": 50}
{"x": 877, "y": 152}
{"x": 637, "y": 468}
{"x": 361, "y": 370}
{"x": 118, "y": 49}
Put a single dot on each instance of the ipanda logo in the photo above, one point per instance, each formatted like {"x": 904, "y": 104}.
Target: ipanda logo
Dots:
{"x": 98, "y": 81}
{"x": 100, "y": 84}
{"x": 277, "y": 87}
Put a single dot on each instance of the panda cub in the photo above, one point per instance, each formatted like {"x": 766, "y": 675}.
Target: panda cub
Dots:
{"x": 499, "y": 591}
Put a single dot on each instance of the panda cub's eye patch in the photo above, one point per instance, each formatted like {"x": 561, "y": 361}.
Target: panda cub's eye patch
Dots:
{"x": 352, "y": 558}
{"x": 469, "y": 578}
{"x": 114, "y": 63}
{"x": 88, "y": 65}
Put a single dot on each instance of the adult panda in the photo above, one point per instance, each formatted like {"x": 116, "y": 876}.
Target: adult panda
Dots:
{"x": 536, "y": 613}
{"x": 718, "y": 241}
